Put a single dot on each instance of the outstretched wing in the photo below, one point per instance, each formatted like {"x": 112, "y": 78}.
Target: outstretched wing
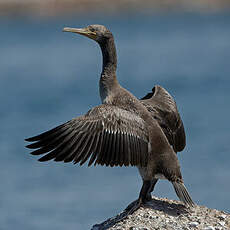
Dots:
{"x": 106, "y": 134}
{"x": 163, "y": 108}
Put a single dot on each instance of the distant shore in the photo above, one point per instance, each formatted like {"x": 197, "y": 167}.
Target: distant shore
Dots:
{"x": 50, "y": 8}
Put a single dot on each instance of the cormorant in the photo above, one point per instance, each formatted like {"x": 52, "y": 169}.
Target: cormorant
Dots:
{"x": 122, "y": 131}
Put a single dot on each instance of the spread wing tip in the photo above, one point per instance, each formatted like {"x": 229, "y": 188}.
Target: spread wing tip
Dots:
{"x": 31, "y": 139}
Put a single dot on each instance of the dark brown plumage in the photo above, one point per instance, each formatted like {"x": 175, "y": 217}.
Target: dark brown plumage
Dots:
{"x": 123, "y": 131}
{"x": 104, "y": 129}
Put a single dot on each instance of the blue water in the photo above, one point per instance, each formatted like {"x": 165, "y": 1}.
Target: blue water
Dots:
{"x": 48, "y": 77}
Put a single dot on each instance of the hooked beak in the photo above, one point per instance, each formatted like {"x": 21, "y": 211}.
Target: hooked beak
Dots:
{"x": 83, "y": 31}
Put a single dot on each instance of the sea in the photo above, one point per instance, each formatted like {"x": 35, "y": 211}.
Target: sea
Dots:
{"x": 48, "y": 77}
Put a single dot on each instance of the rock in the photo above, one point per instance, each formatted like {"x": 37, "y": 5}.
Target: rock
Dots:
{"x": 209, "y": 228}
{"x": 193, "y": 224}
{"x": 222, "y": 217}
{"x": 138, "y": 228}
{"x": 222, "y": 223}
{"x": 162, "y": 214}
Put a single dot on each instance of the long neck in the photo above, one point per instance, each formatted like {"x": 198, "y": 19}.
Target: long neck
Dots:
{"x": 108, "y": 80}
{"x": 109, "y": 56}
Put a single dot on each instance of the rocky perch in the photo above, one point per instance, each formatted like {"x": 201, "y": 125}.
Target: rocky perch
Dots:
{"x": 168, "y": 214}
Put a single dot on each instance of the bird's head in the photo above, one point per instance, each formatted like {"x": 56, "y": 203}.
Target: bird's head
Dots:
{"x": 98, "y": 33}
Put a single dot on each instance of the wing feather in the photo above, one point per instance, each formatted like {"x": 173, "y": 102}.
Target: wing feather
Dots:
{"x": 52, "y": 144}
{"x": 84, "y": 149}
{"x": 90, "y": 150}
{"x": 113, "y": 150}
{"x": 116, "y": 149}
{"x": 98, "y": 147}
{"x": 121, "y": 154}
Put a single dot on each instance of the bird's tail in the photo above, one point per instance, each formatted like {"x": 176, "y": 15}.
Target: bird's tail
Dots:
{"x": 182, "y": 193}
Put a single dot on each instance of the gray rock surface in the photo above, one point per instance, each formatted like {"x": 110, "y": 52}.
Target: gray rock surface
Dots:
{"x": 161, "y": 213}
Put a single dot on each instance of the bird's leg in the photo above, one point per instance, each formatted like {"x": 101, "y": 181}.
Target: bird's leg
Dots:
{"x": 142, "y": 198}
{"x": 153, "y": 183}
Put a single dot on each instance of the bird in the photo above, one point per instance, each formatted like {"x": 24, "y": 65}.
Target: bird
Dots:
{"x": 122, "y": 131}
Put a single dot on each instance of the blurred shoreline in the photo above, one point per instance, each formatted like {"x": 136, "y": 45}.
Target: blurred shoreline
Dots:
{"x": 53, "y": 8}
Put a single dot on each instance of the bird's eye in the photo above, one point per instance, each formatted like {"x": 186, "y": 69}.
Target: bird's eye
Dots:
{"x": 92, "y": 29}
